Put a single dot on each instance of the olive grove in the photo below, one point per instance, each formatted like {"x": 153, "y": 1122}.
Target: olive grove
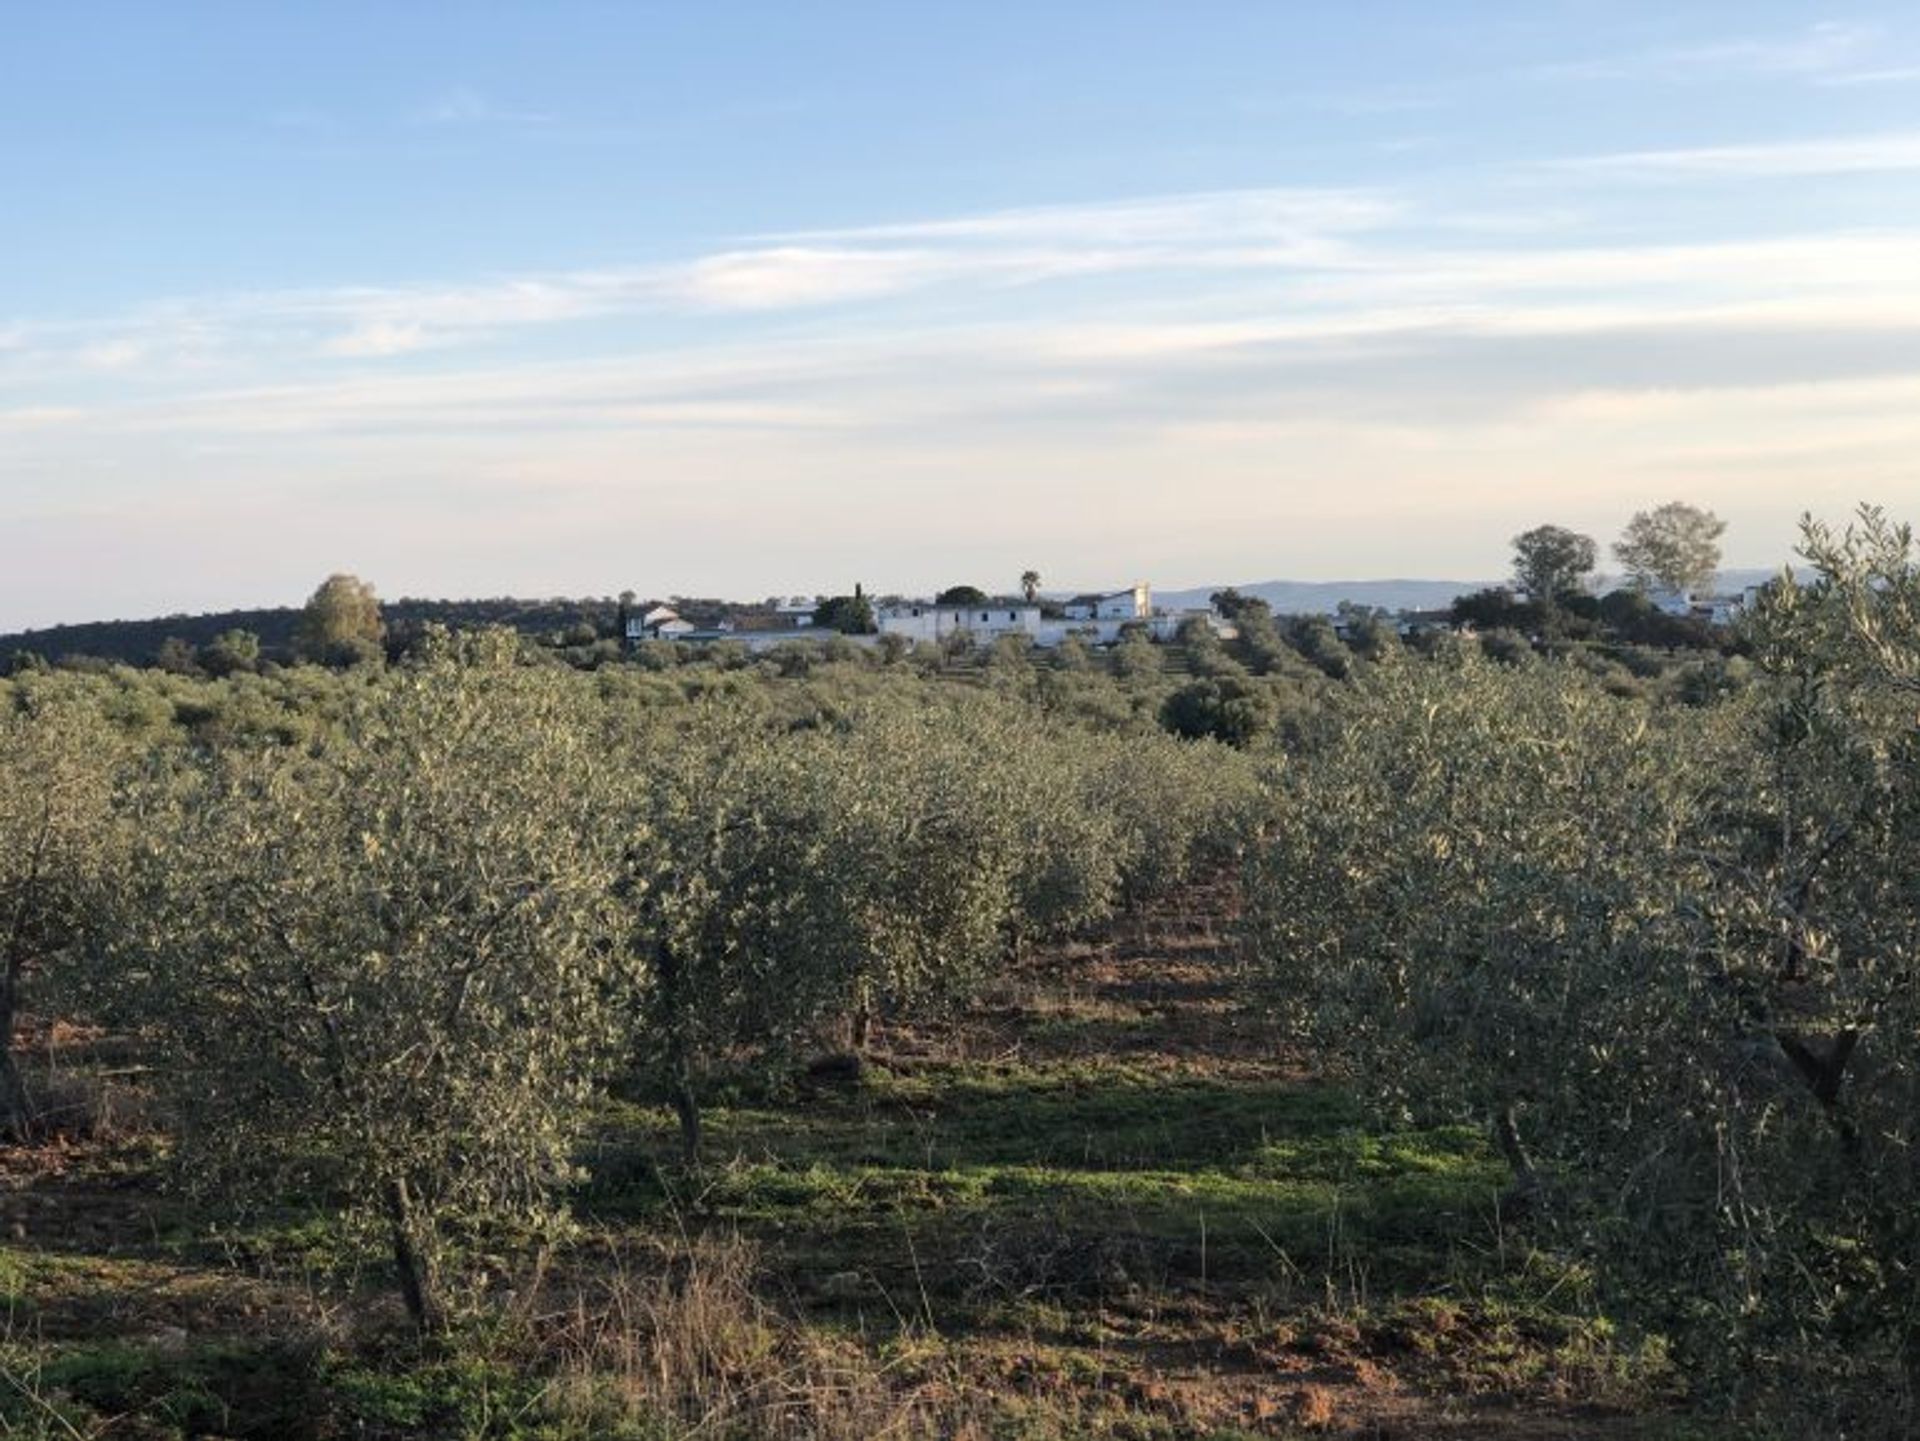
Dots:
{"x": 1665, "y": 957}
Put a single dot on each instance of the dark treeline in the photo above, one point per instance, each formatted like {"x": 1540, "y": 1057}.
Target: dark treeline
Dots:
{"x": 144, "y": 642}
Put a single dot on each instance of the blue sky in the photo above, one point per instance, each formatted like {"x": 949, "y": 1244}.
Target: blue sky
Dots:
{"x": 745, "y": 298}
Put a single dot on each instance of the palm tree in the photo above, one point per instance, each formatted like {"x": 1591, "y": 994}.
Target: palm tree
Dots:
{"x": 1030, "y": 584}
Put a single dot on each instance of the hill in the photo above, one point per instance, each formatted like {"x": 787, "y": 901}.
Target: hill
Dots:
{"x": 138, "y": 642}
{"x": 1316, "y": 597}
{"x": 1312, "y": 597}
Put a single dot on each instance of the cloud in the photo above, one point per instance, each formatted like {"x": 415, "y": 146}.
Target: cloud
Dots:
{"x": 1888, "y": 75}
{"x": 113, "y": 355}
{"x": 378, "y": 337}
{"x": 1818, "y": 51}
{"x": 1255, "y": 230}
{"x": 1837, "y": 155}
{"x": 785, "y": 276}
{"x": 1893, "y": 394}
{"x": 39, "y": 417}
{"x": 1359, "y": 334}
{"x": 1207, "y": 216}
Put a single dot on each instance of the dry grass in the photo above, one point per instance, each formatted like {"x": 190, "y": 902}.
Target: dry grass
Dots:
{"x": 683, "y": 1340}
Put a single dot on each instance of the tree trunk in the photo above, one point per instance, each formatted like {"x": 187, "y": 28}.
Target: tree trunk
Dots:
{"x": 418, "y": 1288}
{"x": 1825, "y": 1076}
{"x": 16, "y": 1111}
{"x": 1526, "y": 1187}
{"x": 685, "y": 1104}
{"x": 687, "y": 1107}
{"x": 860, "y": 1027}
{"x": 16, "y": 1114}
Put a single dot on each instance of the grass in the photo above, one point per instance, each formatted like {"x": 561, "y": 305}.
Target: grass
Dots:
{"x": 1099, "y": 1205}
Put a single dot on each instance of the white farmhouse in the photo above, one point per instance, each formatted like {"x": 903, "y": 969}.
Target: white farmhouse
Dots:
{"x": 1102, "y": 619}
{"x": 989, "y": 620}
{"x": 663, "y": 622}
{"x": 1135, "y": 603}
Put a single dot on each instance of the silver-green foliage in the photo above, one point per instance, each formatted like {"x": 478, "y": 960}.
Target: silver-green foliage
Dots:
{"x": 1668, "y": 953}
{"x": 377, "y": 971}
{"x": 734, "y": 927}
{"x": 1454, "y": 894}
{"x": 58, "y": 840}
{"x": 1821, "y": 910}
{"x": 778, "y": 881}
{"x": 775, "y": 881}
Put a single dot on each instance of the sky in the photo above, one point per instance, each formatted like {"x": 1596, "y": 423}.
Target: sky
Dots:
{"x": 751, "y": 298}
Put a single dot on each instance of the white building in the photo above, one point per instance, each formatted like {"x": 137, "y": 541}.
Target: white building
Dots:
{"x": 927, "y": 621}
{"x": 796, "y": 611}
{"x": 1135, "y": 603}
{"x": 663, "y": 622}
{"x": 1101, "y": 620}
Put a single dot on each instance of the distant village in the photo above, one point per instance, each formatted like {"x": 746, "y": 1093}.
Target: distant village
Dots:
{"x": 1096, "y": 618}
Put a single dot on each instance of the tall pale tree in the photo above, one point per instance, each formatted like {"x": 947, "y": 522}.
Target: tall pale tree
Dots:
{"x": 1674, "y": 547}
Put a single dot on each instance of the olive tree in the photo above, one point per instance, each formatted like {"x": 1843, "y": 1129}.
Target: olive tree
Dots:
{"x": 1177, "y": 808}
{"x": 1667, "y": 954}
{"x": 730, "y": 895}
{"x": 933, "y": 809}
{"x": 1817, "y": 919}
{"x": 57, "y": 761}
{"x": 1451, "y": 892}
{"x": 377, "y": 970}
{"x": 773, "y": 881}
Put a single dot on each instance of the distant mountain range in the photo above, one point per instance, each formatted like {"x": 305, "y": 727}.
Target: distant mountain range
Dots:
{"x": 1314, "y": 597}
{"x": 1310, "y": 597}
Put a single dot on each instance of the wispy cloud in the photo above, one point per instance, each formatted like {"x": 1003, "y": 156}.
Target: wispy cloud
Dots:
{"x": 785, "y": 276}
{"x": 1209, "y": 216}
{"x": 461, "y": 105}
{"x": 111, "y": 355}
{"x": 378, "y": 337}
{"x": 1885, "y": 75}
{"x": 1820, "y": 50}
{"x": 1839, "y": 155}
{"x": 39, "y": 417}
{"x": 1260, "y": 230}
{"x": 1355, "y": 333}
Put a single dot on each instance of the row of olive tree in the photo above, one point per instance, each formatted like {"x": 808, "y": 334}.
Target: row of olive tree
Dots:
{"x": 780, "y": 885}
{"x": 1667, "y": 956}
{"x": 393, "y": 964}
